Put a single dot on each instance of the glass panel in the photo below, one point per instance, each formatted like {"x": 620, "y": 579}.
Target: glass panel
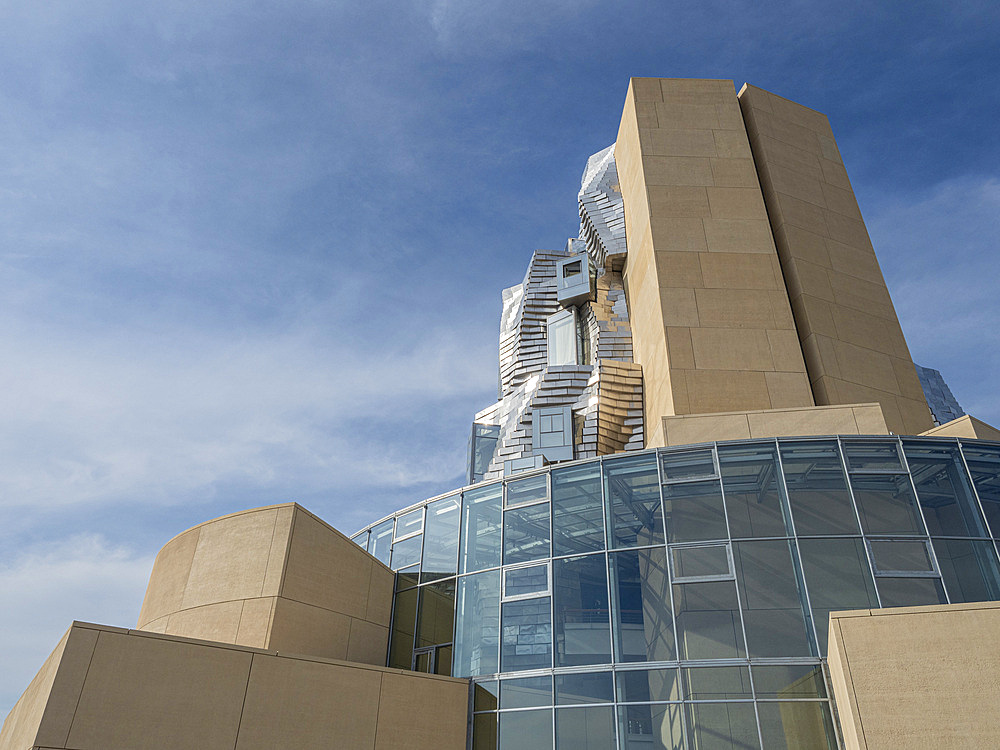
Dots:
{"x": 404, "y": 616}
{"x": 530, "y": 490}
{"x": 701, "y": 562}
{"x": 480, "y": 529}
{"x": 648, "y": 685}
{"x": 716, "y": 683}
{"x": 651, "y": 727}
{"x": 774, "y": 609}
{"x": 561, "y": 339}
{"x": 796, "y": 725}
{"x": 817, "y": 489}
{"x": 533, "y": 579}
{"x": 789, "y": 681}
{"x": 577, "y": 510}
{"x": 526, "y": 692}
{"x": 944, "y": 490}
{"x": 872, "y": 456}
{"x": 441, "y": 538}
{"x": 409, "y": 523}
{"x": 477, "y": 623}
{"x": 886, "y": 504}
{"x": 486, "y": 696}
{"x": 969, "y": 570}
{"x": 593, "y": 687}
{"x": 526, "y": 533}
{"x": 641, "y": 594}
{"x": 406, "y": 552}
{"x": 688, "y": 464}
{"x": 694, "y": 511}
{"x": 436, "y": 616}
{"x": 898, "y": 555}
{"x": 526, "y": 730}
{"x": 484, "y": 732}
{"x": 722, "y": 726}
{"x": 581, "y": 611}
{"x": 708, "y": 621}
{"x": 381, "y": 541}
{"x": 361, "y": 539}
{"x": 984, "y": 464}
{"x": 422, "y": 662}
{"x": 909, "y": 592}
{"x": 526, "y": 635}
{"x": 837, "y": 577}
{"x": 633, "y": 490}
{"x": 585, "y": 728}
{"x": 442, "y": 660}
{"x": 750, "y": 482}
{"x": 407, "y": 578}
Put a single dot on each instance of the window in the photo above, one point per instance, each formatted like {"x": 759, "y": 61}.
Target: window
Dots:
{"x": 552, "y": 433}
{"x": 561, "y": 334}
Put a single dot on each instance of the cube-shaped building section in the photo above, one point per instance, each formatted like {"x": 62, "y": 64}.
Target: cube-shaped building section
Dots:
{"x": 710, "y": 508}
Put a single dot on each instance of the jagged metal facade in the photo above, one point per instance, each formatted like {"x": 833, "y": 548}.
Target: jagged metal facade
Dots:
{"x": 604, "y": 394}
{"x": 944, "y": 406}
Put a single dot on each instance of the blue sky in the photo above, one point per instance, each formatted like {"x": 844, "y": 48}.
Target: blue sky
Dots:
{"x": 252, "y": 252}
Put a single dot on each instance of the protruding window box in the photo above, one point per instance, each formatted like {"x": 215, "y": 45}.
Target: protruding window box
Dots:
{"x": 574, "y": 281}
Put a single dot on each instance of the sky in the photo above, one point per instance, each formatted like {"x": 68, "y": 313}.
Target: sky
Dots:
{"x": 252, "y": 252}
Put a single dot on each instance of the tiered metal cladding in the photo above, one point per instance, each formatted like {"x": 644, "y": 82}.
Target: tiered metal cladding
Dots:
{"x": 679, "y": 598}
{"x": 944, "y": 406}
{"x": 568, "y": 386}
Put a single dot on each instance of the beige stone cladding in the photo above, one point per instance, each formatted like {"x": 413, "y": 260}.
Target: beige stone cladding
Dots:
{"x": 854, "y": 347}
{"x": 712, "y": 326}
{"x": 108, "y": 688}
{"x": 852, "y": 419}
{"x": 275, "y": 577}
{"x": 917, "y": 677}
{"x": 965, "y": 427}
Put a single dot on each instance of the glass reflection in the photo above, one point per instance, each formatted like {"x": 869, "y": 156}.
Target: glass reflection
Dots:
{"x": 436, "y": 616}
{"x": 694, "y": 511}
{"x": 817, "y": 489}
{"x": 484, "y": 732}
{"x": 441, "y": 538}
{"x": 795, "y": 725}
{"x": 526, "y": 635}
{"x": 633, "y": 491}
{"x": 708, "y": 620}
{"x": 722, "y": 726}
{"x": 526, "y": 692}
{"x": 526, "y": 533}
{"x": 716, "y": 683}
{"x": 651, "y": 727}
{"x": 585, "y": 687}
{"x": 577, "y": 510}
{"x": 642, "y": 685}
{"x": 943, "y": 490}
{"x": 404, "y": 616}
{"x": 697, "y": 463}
{"x": 591, "y": 728}
{"x": 838, "y": 577}
{"x": 789, "y": 681}
{"x": 750, "y": 482}
{"x": 774, "y": 608}
{"x": 969, "y": 569}
{"x": 529, "y": 490}
{"x": 581, "y": 611}
{"x": 480, "y": 547}
{"x": 901, "y": 555}
{"x": 984, "y": 465}
{"x": 886, "y": 504}
{"x": 872, "y": 456}
{"x": 406, "y": 552}
{"x": 641, "y": 594}
{"x": 477, "y": 615}
{"x": 380, "y": 542}
{"x": 526, "y": 730}
{"x": 909, "y": 592}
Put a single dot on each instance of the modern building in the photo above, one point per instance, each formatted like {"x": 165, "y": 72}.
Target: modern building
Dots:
{"x": 710, "y": 508}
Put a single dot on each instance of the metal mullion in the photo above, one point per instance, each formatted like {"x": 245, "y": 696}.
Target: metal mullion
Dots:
{"x": 861, "y": 528}
{"x": 800, "y": 573}
{"x": 739, "y": 601}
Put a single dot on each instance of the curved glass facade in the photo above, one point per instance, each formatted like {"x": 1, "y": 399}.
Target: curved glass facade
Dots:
{"x": 679, "y": 598}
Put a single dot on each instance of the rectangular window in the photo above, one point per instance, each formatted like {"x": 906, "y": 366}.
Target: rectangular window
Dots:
{"x": 901, "y": 557}
{"x": 754, "y": 502}
{"x": 702, "y": 563}
{"x": 526, "y": 581}
{"x": 581, "y": 612}
{"x": 577, "y": 510}
{"x": 694, "y": 511}
{"x": 526, "y": 533}
{"x": 480, "y": 545}
{"x": 409, "y": 524}
{"x": 632, "y": 487}
{"x": 561, "y": 335}
{"x": 441, "y": 538}
{"x": 686, "y": 465}
{"x": 477, "y": 613}
{"x": 523, "y": 491}
{"x": 526, "y": 635}
{"x": 640, "y": 593}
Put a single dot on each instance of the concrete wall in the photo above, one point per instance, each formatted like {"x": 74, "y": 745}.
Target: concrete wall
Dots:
{"x": 853, "y": 344}
{"x": 114, "y": 689}
{"x": 965, "y": 427}
{"x": 917, "y": 677}
{"x": 855, "y": 419}
{"x": 711, "y": 322}
{"x": 275, "y": 577}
